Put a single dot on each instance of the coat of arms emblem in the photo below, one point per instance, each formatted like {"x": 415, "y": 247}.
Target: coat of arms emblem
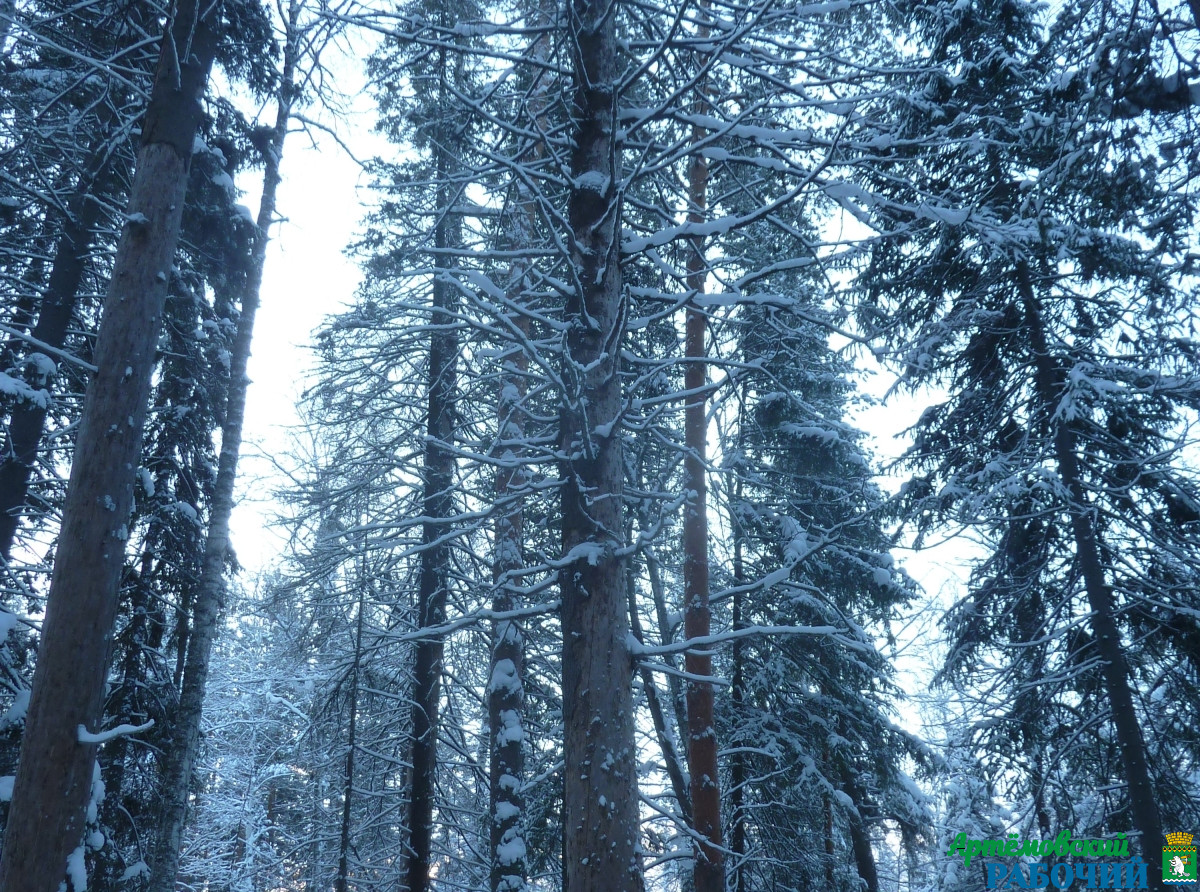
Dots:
{"x": 1179, "y": 859}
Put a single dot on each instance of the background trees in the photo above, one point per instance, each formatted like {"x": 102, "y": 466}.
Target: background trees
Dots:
{"x": 1036, "y": 267}
{"x": 621, "y": 264}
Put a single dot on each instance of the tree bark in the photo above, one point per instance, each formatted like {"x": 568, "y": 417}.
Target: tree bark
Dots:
{"x": 601, "y": 797}
{"x": 739, "y": 769}
{"x": 341, "y": 883}
{"x": 435, "y": 554}
{"x": 54, "y": 776}
{"x": 505, "y": 691}
{"x": 709, "y": 869}
{"x": 1130, "y": 744}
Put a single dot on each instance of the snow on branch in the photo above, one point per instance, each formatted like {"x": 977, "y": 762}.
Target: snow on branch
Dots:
{"x": 86, "y": 736}
{"x": 639, "y": 649}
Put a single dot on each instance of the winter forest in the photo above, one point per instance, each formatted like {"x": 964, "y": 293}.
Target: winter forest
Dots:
{"x": 594, "y": 577}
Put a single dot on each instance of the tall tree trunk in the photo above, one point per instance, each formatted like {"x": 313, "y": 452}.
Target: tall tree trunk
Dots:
{"x": 1142, "y": 803}
{"x": 438, "y": 506}
{"x": 709, "y": 868}
{"x": 209, "y": 599}
{"x": 54, "y": 776}
{"x": 860, "y": 837}
{"x": 506, "y": 692}
{"x": 601, "y": 795}
{"x": 739, "y": 770}
{"x": 341, "y": 883}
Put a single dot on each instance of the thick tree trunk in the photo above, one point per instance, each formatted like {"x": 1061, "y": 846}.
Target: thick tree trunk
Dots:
{"x": 54, "y": 776}
{"x": 210, "y": 592}
{"x": 709, "y": 868}
{"x": 435, "y": 554}
{"x": 601, "y": 796}
{"x": 1142, "y": 803}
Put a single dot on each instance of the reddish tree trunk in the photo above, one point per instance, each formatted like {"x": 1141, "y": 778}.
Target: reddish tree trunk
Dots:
{"x": 54, "y": 776}
{"x": 709, "y": 869}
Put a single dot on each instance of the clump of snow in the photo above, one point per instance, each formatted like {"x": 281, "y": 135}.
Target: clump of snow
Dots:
{"x": 225, "y": 182}
{"x": 506, "y": 811}
{"x": 510, "y": 730}
{"x": 133, "y": 871}
{"x": 18, "y": 388}
{"x": 187, "y": 511}
{"x": 39, "y": 369}
{"x": 510, "y": 851}
{"x": 97, "y": 798}
{"x": 16, "y": 712}
{"x": 504, "y": 677}
{"x": 76, "y": 870}
{"x": 8, "y": 622}
{"x": 592, "y": 181}
{"x": 591, "y": 552}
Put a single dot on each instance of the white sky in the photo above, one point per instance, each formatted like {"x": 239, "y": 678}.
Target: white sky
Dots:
{"x": 307, "y": 277}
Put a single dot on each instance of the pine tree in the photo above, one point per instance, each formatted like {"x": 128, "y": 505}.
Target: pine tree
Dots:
{"x": 1029, "y": 268}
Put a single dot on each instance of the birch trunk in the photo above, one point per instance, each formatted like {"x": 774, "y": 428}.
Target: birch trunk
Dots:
{"x": 54, "y": 776}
